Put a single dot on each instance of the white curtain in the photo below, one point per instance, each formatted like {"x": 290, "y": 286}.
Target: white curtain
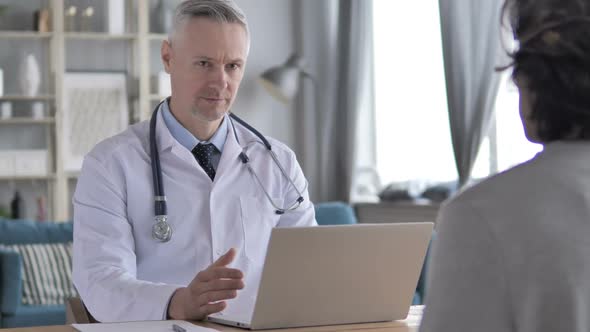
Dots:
{"x": 335, "y": 113}
{"x": 472, "y": 49}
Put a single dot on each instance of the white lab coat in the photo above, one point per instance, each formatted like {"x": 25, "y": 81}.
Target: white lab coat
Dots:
{"x": 123, "y": 274}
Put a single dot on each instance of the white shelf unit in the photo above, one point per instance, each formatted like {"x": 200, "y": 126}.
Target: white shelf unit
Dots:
{"x": 14, "y": 121}
{"x": 98, "y": 36}
{"x": 156, "y": 98}
{"x": 73, "y": 175}
{"x": 25, "y": 35}
{"x": 28, "y": 178}
{"x": 139, "y": 71}
{"x": 26, "y": 98}
{"x": 158, "y": 36}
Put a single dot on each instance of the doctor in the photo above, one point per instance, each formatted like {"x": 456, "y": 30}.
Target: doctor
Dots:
{"x": 207, "y": 255}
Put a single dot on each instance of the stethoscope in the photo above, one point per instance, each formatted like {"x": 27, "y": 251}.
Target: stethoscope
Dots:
{"x": 161, "y": 230}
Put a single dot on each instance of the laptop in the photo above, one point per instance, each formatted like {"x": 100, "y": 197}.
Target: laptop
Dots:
{"x": 330, "y": 275}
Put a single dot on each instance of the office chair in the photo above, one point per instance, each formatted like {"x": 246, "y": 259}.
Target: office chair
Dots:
{"x": 76, "y": 312}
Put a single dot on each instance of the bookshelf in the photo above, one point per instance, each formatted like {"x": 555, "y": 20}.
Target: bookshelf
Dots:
{"x": 136, "y": 41}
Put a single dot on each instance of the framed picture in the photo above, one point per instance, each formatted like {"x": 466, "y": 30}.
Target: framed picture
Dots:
{"x": 95, "y": 107}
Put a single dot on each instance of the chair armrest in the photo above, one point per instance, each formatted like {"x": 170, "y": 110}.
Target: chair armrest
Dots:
{"x": 76, "y": 312}
{"x": 10, "y": 281}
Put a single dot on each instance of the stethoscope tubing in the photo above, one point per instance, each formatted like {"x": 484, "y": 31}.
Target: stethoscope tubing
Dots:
{"x": 162, "y": 230}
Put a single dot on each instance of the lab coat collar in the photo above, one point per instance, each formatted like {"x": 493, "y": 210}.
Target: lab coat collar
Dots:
{"x": 163, "y": 136}
{"x": 167, "y": 143}
{"x": 232, "y": 149}
{"x": 229, "y": 155}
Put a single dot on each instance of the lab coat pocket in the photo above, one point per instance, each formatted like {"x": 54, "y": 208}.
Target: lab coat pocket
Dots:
{"x": 258, "y": 220}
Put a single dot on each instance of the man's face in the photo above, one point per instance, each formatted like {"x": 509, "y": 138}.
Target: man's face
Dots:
{"x": 206, "y": 61}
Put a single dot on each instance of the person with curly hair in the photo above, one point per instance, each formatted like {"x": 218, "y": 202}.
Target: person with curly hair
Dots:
{"x": 513, "y": 252}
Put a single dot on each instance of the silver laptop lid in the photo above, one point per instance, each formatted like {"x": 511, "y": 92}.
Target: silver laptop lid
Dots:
{"x": 330, "y": 275}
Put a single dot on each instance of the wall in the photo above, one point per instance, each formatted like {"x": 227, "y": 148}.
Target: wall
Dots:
{"x": 271, "y": 26}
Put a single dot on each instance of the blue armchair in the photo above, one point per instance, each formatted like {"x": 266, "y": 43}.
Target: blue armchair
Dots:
{"x": 12, "y": 312}
{"x": 334, "y": 213}
{"x": 338, "y": 213}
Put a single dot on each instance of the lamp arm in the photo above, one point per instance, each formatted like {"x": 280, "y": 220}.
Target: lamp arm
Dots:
{"x": 310, "y": 77}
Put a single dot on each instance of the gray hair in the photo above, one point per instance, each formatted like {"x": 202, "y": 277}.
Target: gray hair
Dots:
{"x": 222, "y": 11}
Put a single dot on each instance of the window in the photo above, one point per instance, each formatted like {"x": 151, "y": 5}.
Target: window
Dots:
{"x": 511, "y": 145}
{"x": 506, "y": 144}
{"x": 413, "y": 134}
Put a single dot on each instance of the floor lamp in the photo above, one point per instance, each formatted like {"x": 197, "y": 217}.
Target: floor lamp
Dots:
{"x": 282, "y": 82}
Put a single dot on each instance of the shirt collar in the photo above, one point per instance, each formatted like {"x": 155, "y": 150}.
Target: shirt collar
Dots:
{"x": 188, "y": 140}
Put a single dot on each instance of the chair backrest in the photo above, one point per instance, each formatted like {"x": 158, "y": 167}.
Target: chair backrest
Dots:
{"x": 28, "y": 231}
{"x": 334, "y": 213}
{"x": 76, "y": 312}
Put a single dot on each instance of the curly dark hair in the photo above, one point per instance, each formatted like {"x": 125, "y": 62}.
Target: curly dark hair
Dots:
{"x": 554, "y": 59}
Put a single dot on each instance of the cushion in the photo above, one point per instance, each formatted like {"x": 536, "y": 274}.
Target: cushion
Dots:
{"x": 46, "y": 272}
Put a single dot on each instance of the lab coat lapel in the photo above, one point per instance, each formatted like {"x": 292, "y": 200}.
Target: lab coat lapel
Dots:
{"x": 167, "y": 142}
{"x": 231, "y": 151}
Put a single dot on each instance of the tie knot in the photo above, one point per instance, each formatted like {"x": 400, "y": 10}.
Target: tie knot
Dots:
{"x": 203, "y": 153}
{"x": 204, "y": 150}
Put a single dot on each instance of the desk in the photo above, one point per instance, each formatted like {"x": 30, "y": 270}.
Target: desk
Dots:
{"x": 410, "y": 324}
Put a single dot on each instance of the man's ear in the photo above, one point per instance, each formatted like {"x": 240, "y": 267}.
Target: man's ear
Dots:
{"x": 166, "y": 53}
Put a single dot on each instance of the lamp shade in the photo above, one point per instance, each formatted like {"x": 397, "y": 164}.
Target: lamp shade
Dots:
{"x": 282, "y": 82}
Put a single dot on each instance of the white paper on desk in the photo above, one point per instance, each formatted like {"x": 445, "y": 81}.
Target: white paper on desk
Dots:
{"x": 143, "y": 326}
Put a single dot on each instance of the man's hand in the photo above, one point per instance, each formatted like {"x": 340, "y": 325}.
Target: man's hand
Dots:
{"x": 206, "y": 293}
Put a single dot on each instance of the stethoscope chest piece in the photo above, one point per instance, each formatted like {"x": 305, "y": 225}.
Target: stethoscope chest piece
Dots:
{"x": 161, "y": 230}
